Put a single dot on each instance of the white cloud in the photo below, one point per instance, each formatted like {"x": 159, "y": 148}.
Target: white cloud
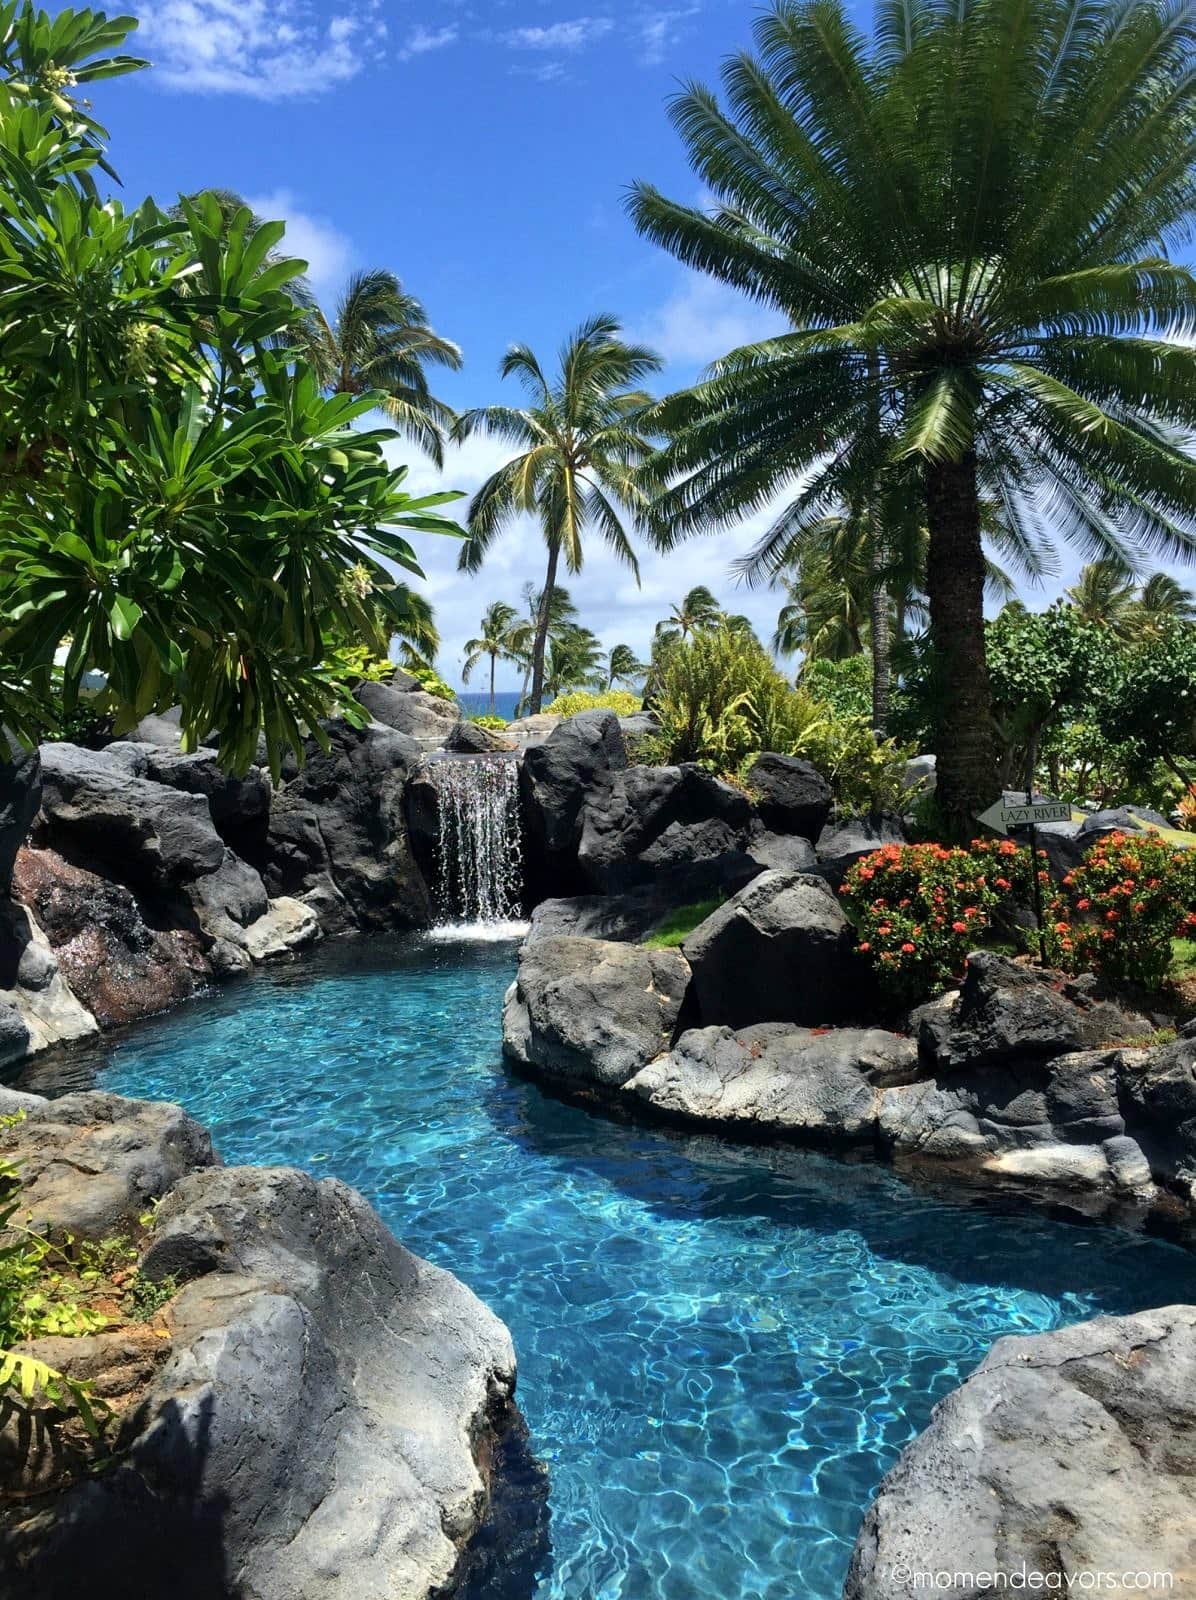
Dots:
{"x": 703, "y": 319}
{"x": 327, "y": 251}
{"x": 659, "y": 31}
{"x": 421, "y": 40}
{"x": 559, "y": 35}
{"x": 266, "y": 49}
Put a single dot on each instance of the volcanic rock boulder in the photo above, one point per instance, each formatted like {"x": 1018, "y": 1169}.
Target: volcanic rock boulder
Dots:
{"x": 589, "y": 1011}
{"x": 20, "y": 796}
{"x": 677, "y": 824}
{"x": 424, "y": 717}
{"x": 1064, "y": 1454}
{"x": 579, "y": 757}
{"x": 781, "y": 950}
{"x": 790, "y": 795}
{"x": 239, "y": 806}
{"x": 338, "y": 835}
{"x": 840, "y": 846}
{"x": 774, "y": 1079}
{"x": 325, "y": 1424}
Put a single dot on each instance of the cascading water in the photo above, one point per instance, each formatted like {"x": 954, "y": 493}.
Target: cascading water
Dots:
{"x": 479, "y": 859}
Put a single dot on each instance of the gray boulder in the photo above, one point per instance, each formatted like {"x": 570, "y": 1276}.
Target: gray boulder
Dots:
{"x": 840, "y": 846}
{"x": 1158, "y": 1092}
{"x": 91, "y": 1163}
{"x": 325, "y": 1424}
{"x": 239, "y": 806}
{"x": 790, "y": 795}
{"x": 920, "y": 776}
{"x": 628, "y": 917}
{"x": 781, "y": 950}
{"x": 781, "y": 852}
{"x": 651, "y": 822}
{"x": 338, "y": 835}
{"x": 774, "y": 1078}
{"x": 424, "y": 717}
{"x": 639, "y": 725}
{"x": 467, "y": 738}
{"x": 592, "y": 1012}
{"x": 20, "y": 796}
{"x": 1065, "y": 1453}
{"x": 38, "y": 1008}
{"x": 579, "y": 754}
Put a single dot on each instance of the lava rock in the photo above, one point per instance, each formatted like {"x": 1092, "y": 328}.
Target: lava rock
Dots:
{"x": 325, "y": 1425}
{"x": 39, "y": 1008}
{"x": 592, "y": 1011}
{"x": 338, "y": 836}
{"x": 791, "y": 796}
{"x": 920, "y": 776}
{"x": 580, "y": 754}
{"x": 239, "y": 806}
{"x": 424, "y": 717}
{"x": 467, "y": 738}
{"x": 776, "y": 1079}
{"x": 781, "y": 950}
{"x": 649, "y": 821}
{"x": 1158, "y": 1092}
{"x": 20, "y": 797}
{"x": 1065, "y": 1453}
{"x": 841, "y": 846}
{"x": 117, "y": 965}
{"x": 781, "y": 852}
{"x": 91, "y": 1163}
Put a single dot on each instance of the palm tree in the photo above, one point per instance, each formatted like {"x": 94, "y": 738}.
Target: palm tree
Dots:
{"x": 580, "y": 443}
{"x": 561, "y": 612}
{"x": 500, "y": 637}
{"x": 1104, "y": 594}
{"x": 379, "y": 338}
{"x": 1161, "y": 600}
{"x": 623, "y": 666}
{"x": 699, "y": 609}
{"x": 574, "y": 661}
{"x": 965, "y": 221}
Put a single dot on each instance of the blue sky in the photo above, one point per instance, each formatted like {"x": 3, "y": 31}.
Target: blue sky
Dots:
{"x": 482, "y": 152}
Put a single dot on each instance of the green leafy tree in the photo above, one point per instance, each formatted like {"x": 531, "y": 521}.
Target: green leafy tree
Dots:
{"x": 1041, "y": 669}
{"x": 1162, "y": 600}
{"x": 965, "y": 220}
{"x": 579, "y": 444}
{"x": 378, "y": 341}
{"x": 501, "y": 637}
{"x": 1145, "y": 698}
{"x": 182, "y": 506}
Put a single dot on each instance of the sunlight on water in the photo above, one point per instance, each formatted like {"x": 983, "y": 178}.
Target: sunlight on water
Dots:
{"x": 721, "y": 1349}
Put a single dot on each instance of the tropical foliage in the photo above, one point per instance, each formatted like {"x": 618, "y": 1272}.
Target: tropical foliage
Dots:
{"x": 503, "y": 636}
{"x": 580, "y": 442}
{"x": 621, "y": 701}
{"x": 182, "y": 506}
{"x": 965, "y": 220}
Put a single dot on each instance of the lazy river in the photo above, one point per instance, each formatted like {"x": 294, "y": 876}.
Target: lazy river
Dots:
{"x": 721, "y": 1349}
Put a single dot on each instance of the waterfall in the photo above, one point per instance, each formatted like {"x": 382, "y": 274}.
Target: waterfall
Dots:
{"x": 479, "y": 861}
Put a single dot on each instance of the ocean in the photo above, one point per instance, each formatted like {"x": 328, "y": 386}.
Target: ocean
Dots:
{"x": 475, "y": 702}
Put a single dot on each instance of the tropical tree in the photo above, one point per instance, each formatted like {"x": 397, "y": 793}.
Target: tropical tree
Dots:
{"x": 574, "y": 661}
{"x": 501, "y": 637}
{"x": 623, "y": 666}
{"x": 966, "y": 222}
{"x": 1162, "y": 600}
{"x": 1104, "y": 595}
{"x": 182, "y": 508}
{"x": 699, "y": 609}
{"x": 379, "y": 341}
{"x": 580, "y": 443}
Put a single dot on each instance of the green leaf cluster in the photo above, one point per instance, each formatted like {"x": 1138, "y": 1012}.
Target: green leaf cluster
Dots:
{"x": 182, "y": 508}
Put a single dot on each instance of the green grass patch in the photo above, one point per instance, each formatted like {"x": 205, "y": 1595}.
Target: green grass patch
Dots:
{"x": 1183, "y": 958}
{"x": 678, "y": 925}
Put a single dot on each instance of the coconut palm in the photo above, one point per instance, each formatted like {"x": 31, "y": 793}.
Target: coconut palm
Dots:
{"x": 699, "y": 609}
{"x": 965, "y": 221}
{"x": 1104, "y": 595}
{"x": 501, "y": 637}
{"x": 580, "y": 444}
{"x": 379, "y": 338}
{"x": 574, "y": 661}
{"x": 623, "y": 666}
{"x": 1162, "y": 600}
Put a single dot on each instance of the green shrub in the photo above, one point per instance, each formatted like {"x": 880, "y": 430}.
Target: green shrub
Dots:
{"x": 621, "y": 701}
{"x": 1117, "y": 913}
{"x": 845, "y": 686}
{"x": 676, "y": 928}
{"x": 429, "y": 680}
{"x": 495, "y": 724}
{"x": 351, "y": 664}
{"x": 919, "y": 908}
{"x": 721, "y": 700}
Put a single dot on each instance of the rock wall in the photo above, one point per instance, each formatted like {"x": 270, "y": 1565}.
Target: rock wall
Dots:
{"x": 322, "y": 1413}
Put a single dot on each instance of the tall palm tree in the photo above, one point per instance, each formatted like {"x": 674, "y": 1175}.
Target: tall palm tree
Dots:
{"x": 561, "y": 612}
{"x": 699, "y": 609}
{"x": 965, "y": 221}
{"x": 580, "y": 445}
{"x": 1104, "y": 594}
{"x": 623, "y": 666}
{"x": 574, "y": 661}
{"x": 1162, "y": 599}
{"x": 379, "y": 338}
{"x": 500, "y": 637}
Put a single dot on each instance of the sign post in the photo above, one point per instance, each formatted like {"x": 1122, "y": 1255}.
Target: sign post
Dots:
{"x": 1028, "y": 813}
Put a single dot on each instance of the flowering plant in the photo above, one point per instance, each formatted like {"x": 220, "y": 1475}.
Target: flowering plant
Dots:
{"x": 1117, "y": 912}
{"x": 919, "y": 908}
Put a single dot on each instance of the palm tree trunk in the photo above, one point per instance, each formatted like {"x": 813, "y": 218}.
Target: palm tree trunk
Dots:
{"x": 882, "y": 642}
{"x": 967, "y": 778}
{"x": 493, "y": 701}
{"x": 541, "y": 640}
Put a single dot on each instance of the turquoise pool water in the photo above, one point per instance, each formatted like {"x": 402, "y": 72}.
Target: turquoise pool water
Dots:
{"x": 721, "y": 1349}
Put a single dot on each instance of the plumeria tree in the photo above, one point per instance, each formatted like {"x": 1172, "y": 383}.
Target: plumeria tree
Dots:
{"x": 182, "y": 507}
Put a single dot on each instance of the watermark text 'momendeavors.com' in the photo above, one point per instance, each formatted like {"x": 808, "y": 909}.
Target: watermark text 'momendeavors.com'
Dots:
{"x": 1025, "y": 1579}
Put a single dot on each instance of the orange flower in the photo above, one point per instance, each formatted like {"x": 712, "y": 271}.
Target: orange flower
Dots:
{"x": 959, "y": 927}
{"x": 907, "y": 949}
{"x": 864, "y": 945}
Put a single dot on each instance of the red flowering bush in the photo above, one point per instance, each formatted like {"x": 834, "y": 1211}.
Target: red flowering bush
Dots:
{"x": 919, "y": 908}
{"x": 1117, "y": 912}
